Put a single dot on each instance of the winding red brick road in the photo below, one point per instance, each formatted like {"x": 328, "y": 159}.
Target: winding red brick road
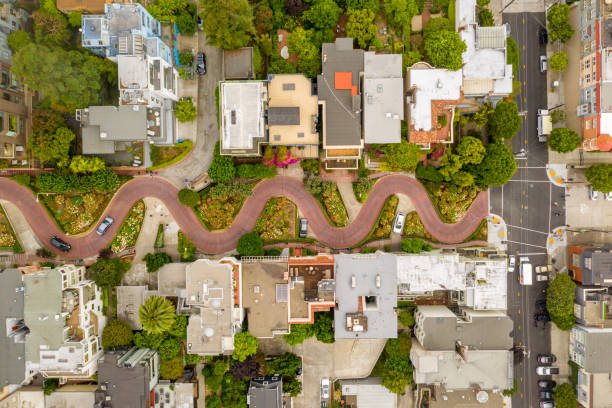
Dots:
{"x": 215, "y": 242}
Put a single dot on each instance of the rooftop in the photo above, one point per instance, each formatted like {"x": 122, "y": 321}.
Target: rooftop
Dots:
{"x": 342, "y": 123}
{"x": 129, "y": 300}
{"x": 591, "y": 346}
{"x": 266, "y": 392}
{"x": 366, "y": 285}
{"x": 597, "y": 266}
{"x": 383, "y": 108}
{"x": 367, "y": 393}
{"x": 238, "y": 64}
{"x": 311, "y": 287}
{"x": 465, "y": 13}
{"x": 242, "y": 117}
{"x": 86, "y": 6}
{"x": 12, "y": 346}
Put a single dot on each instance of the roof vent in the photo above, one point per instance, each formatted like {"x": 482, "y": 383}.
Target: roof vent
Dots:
{"x": 439, "y": 84}
{"x": 103, "y": 135}
{"x": 353, "y": 281}
{"x": 378, "y": 281}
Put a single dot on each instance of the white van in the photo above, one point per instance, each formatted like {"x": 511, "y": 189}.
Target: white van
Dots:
{"x": 526, "y": 272}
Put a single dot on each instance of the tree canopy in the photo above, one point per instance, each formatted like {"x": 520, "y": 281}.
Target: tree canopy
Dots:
{"x": 171, "y": 369}
{"x": 415, "y": 246}
{"x": 505, "y": 121}
{"x": 222, "y": 168}
{"x": 250, "y": 244}
{"x": 116, "y": 333}
{"x": 286, "y": 365}
{"x": 156, "y": 261}
{"x": 244, "y": 345}
{"x": 86, "y": 164}
{"x": 323, "y": 327}
{"x": 303, "y": 44}
{"x": 156, "y": 315}
{"x": 558, "y": 61}
{"x": 402, "y": 156}
{"x": 444, "y": 49}
{"x": 299, "y": 333}
{"x": 361, "y": 26}
{"x": 560, "y": 301}
{"x": 563, "y": 140}
{"x": 600, "y": 177}
{"x": 185, "y": 110}
{"x": 228, "y": 24}
{"x": 323, "y": 14}
{"x": 107, "y": 273}
{"x": 559, "y": 27}
{"x": 471, "y": 150}
{"x": 188, "y": 197}
{"x": 565, "y": 396}
{"x": 497, "y": 167}
{"x": 400, "y": 12}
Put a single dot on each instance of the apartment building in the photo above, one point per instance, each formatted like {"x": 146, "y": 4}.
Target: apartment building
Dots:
{"x": 12, "y": 339}
{"x": 595, "y": 75}
{"x": 590, "y": 265}
{"x": 63, "y": 312}
{"x": 593, "y": 306}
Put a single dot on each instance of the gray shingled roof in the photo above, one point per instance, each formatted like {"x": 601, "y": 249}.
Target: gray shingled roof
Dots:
{"x": 284, "y": 115}
{"x": 266, "y": 392}
{"x": 597, "y": 356}
{"x": 12, "y": 362}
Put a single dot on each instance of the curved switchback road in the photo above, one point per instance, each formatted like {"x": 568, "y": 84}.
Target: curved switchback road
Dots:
{"x": 223, "y": 241}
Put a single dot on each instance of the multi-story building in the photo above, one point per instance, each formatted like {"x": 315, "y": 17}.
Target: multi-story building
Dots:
{"x": 590, "y": 265}
{"x": 12, "y": 338}
{"x": 16, "y": 101}
{"x": 63, "y": 312}
{"x": 595, "y": 74}
{"x": 593, "y": 306}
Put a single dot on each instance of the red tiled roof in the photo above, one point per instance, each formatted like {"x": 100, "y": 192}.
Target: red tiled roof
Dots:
{"x": 344, "y": 80}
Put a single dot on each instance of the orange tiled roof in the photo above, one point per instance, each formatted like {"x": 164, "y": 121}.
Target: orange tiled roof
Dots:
{"x": 344, "y": 80}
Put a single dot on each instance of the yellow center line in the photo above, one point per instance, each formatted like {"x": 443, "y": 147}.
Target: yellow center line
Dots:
{"x": 519, "y": 311}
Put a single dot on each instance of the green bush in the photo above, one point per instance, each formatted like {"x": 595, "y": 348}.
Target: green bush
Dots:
{"x": 213, "y": 401}
{"x": 560, "y": 301}
{"x": 188, "y": 197}
{"x": 415, "y": 246}
{"x": 323, "y": 327}
{"x": 156, "y": 261}
{"x": 222, "y": 168}
{"x": 600, "y": 177}
{"x": 406, "y": 318}
{"x": 193, "y": 359}
{"x": 250, "y": 245}
{"x": 179, "y": 327}
{"x": 185, "y": 110}
{"x": 253, "y": 171}
{"x": 245, "y": 345}
{"x": 185, "y": 58}
{"x": 299, "y": 333}
{"x": 171, "y": 369}
{"x": 558, "y": 61}
{"x": 442, "y": 120}
{"x": 485, "y": 18}
{"x": 311, "y": 166}
{"x": 169, "y": 348}
{"x": 430, "y": 173}
{"x": 116, "y": 333}
{"x": 23, "y": 179}
{"x": 563, "y": 140}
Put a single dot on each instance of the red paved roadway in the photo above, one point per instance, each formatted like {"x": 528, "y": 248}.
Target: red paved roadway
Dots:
{"x": 214, "y": 242}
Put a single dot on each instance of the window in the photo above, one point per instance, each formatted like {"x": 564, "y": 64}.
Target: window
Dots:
{"x": 593, "y": 44}
{"x": 1, "y": 122}
{"x": 6, "y": 96}
{"x": 12, "y": 123}
{"x": 587, "y": 78}
{"x": 594, "y": 123}
{"x": 300, "y": 134}
{"x": 6, "y": 78}
{"x": 288, "y": 87}
{"x": 587, "y": 64}
{"x": 587, "y": 124}
{"x": 592, "y": 14}
{"x": 587, "y": 94}
{"x": 594, "y": 61}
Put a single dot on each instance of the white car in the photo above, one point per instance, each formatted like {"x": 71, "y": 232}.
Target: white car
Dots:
{"x": 324, "y": 388}
{"x": 541, "y": 278}
{"x": 398, "y": 225}
{"x": 608, "y": 196}
{"x": 593, "y": 194}
{"x": 511, "y": 263}
{"x": 547, "y": 370}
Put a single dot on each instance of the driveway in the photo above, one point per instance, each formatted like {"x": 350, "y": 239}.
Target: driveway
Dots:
{"x": 207, "y": 134}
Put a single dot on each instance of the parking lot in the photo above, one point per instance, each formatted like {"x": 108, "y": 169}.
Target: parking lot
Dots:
{"x": 582, "y": 212}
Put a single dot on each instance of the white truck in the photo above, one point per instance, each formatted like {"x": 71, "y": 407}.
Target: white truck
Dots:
{"x": 526, "y": 272}
{"x": 544, "y": 124}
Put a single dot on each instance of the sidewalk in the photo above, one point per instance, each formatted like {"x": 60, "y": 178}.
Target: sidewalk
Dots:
{"x": 350, "y": 201}
{"x": 26, "y": 237}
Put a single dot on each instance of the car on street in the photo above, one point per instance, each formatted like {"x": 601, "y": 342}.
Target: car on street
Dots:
{"x": 201, "y": 63}
{"x": 104, "y": 225}
{"x": 303, "y": 227}
{"x": 398, "y": 225}
{"x": 546, "y": 358}
{"x": 546, "y": 395}
{"x": 525, "y": 271}
{"x": 547, "y": 384}
{"x": 593, "y": 194}
{"x": 547, "y": 404}
{"x": 543, "y": 36}
{"x": 324, "y": 388}
{"x": 60, "y": 244}
{"x": 608, "y": 196}
{"x": 543, "y": 63}
{"x": 511, "y": 263}
{"x": 542, "y": 277}
{"x": 547, "y": 370}
{"x": 541, "y": 317}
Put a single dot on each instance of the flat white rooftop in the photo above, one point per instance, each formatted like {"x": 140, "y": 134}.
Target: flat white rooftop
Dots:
{"x": 465, "y": 13}
{"x": 430, "y": 85}
{"x": 242, "y": 113}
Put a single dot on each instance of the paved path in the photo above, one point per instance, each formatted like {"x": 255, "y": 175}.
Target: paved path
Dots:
{"x": 223, "y": 241}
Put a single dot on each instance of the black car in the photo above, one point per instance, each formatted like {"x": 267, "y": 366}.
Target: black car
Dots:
{"x": 547, "y": 384}
{"x": 546, "y": 395}
{"x": 546, "y": 359}
{"x": 60, "y": 244}
{"x": 541, "y": 317}
{"x": 543, "y": 36}
{"x": 201, "y": 63}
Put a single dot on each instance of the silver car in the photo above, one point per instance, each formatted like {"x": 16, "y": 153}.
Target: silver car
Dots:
{"x": 104, "y": 225}
{"x": 398, "y": 225}
{"x": 593, "y": 194}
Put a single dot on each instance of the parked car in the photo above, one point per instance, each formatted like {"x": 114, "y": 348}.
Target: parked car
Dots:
{"x": 201, "y": 63}
{"x": 511, "y": 263}
{"x": 303, "y": 227}
{"x": 104, "y": 225}
{"x": 543, "y": 63}
{"x": 60, "y": 244}
{"x": 608, "y": 196}
{"x": 547, "y": 384}
{"x": 546, "y": 358}
{"x": 543, "y": 36}
{"x": 324, "y": 388}
{"x": 547, "y": 404}
{"x": 200, "y": 25}
{"x": 547, "y": 370}
{"x": 593, "y": 194}
{"x": 542, "y": 277}
{"x": 546, "y": 395}
{"x": 398, "y": 225}
{"x": 541, "y": 317}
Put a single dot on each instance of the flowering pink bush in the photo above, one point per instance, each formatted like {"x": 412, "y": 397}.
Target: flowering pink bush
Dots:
{"x": 279, "y": 157}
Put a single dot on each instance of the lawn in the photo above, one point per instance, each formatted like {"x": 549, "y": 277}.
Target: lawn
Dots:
{"x": 334, "y": 206}
{"x": 451, "y": 202}
{"x": 75, "y": 213}
{"x": 130, "y": 228}
{"x": 414, "y": 228}
{"x": 164, "y": 156}
{"x": 277, "y": 220}
{"x": 384, "y": 224}
{"x": 8, "y": 239}
{"x": 185, "y": 247}
{"x": 218, "y": 213}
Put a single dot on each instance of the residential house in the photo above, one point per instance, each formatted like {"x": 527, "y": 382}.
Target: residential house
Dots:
{"x": 367, "y": 393}
{"x": 238, "y": 64}
{"x": 12, "y": 339}
{"x": 590, "y": 265}
{"x": 28, "y": 396}
{"x": 476, "y": 278}
{"x": 366, "y": 296}
{"x": 16, "y": 102}
{"x": 432, "y": 95}
{"x": 595, "y": 76}
{"x": 339, "y": 89}
{"x": 216, "y": 313}
{"x": 174, "y": 395}
{"x": 486, "y": 73}
{"x": 312, "y": 287}
{"x": 265, "y": 392}
{"x": 63, "y": 312}
{"x": 129, "y": 300}
{"x": 589, "y": 348}
{"x": 67, "y": 396}
{"x": 383, "y": 89}
{"x": 293, "y": 114}
{"x": 242, "y": 107}
{"x": 83, "y": 6}
{"x": 593, "y": 306}
{"x": 128, "y": 379}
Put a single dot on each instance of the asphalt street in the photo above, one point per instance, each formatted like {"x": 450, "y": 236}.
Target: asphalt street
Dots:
{"x": 528, "y": 204}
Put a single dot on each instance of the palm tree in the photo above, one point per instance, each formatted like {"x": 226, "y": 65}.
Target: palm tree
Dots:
{"x": 156, "y": 315}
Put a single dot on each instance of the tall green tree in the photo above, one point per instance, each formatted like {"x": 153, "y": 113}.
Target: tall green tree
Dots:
{"x": 244, "y": 345}
{"x": 86, "y": 164}
{"x": 323, "y": 326}
{"x": 471, "y": 150}
{"x": 116, "y": 333}
{"x": 166, "y": 10}
{"x": 19, "y": 39}
{"x": 299, "y": 333}
{"x": 50, "y": 28}
{"x": 444, "y": 49}
{"x": 559, "y": 27}
{"x": 563, "y": 140}
{"x": 185, "y": 110}
{"x": 53, "y": 145}
{"x": 300, "y": 44}
{"x": 600, "y": 177}
{"x": 156, "y": 315}
{"x": 362, "y": 4}
{"x": 497, "y": 167}
{"x": 323, "y": 14}
{"x": 400, "y": 12}
{"x": 505, "y": 121}
{"x": 285, "y": 365}
{"x": 250, "y": 244}
{"x": 565, "y": 396}
{"x": 361, "y": 26}
{"x": 228, "y": 24}
{"x": 560, "y": 301}
{"x": 402, "y": 156}
{"x": 171, "y": 369}
{"x": 107, "y": 273}
{"x": 558, "y": 61}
